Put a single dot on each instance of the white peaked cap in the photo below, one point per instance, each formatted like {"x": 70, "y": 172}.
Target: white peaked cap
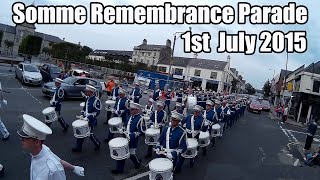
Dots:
{"x": 58, "y": 80}
{"x": 90, "y": 88}
{"x": 151, "y": 100}
{"x": 178, "y": 104}
{"x": 160, "y": 103}
{"x": 176, "y": 115}
{"x": 198, "y": 108}
{"x": 122, "y": 91}
{"x": 134, "y": 105}
{"x": 33, "y": 128}
{"x": 209, "y": 102}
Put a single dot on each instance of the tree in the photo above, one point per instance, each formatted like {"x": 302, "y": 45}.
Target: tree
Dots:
{"x": 69, "y": 51}
{"x": 31, "y": 45}
{"x": 266, "y": 89}
{"x": 8, "y": 44}
{"x": 250, "y": 90}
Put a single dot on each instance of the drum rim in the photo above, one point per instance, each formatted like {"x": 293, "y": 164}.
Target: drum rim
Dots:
{"x": 75, "y": 123}
{"x": 47, "y": 109}
{"x": 153, "y": 129}
{"x": 113, "y": 119}
{"x": 160, "y": 159}
{"x": 118, "y": 138}
{"x": 110, "y": 102}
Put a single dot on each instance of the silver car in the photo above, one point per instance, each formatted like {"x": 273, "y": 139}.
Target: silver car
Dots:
{"x": 28, "y": 74}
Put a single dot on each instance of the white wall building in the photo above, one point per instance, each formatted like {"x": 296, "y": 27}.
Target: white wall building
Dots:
{"x": 114, "y": 55}
{"x": 151, "y": 54}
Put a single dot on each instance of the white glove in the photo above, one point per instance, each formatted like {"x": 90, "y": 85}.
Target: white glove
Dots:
{"x": 5, "y": 102}
{"x": 51, "y": 102}
{"x": 151, "y": 126}
{"x": 169, "y": 156}
{"x": 85, "y": 118}
{"x": 78, "y": 170}
{"x": 121, "y": 131}
{"x": 136, "y": 134}
{"x": 114, "y": 98}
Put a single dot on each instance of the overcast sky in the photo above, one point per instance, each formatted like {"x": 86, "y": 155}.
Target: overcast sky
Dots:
{"x": 254, "y": 68}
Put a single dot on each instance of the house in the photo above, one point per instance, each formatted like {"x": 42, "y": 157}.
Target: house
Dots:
{"x": 304, "y": 86}
{"x": 277, "y": 86}
{"x": 151, "y": 54}
{"x": 114, "y": 55}
{"x": 205, "y": 73}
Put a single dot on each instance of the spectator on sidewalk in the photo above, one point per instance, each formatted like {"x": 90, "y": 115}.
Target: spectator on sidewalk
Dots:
{"x": 285, "y": 110}
{"x": 313, "y": 158}
{"x": 279, "y": 110}
{"x": 109, "y": 87}
{"x": 312, "y": 129}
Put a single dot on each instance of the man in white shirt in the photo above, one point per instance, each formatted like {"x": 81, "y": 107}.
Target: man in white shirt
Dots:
{"x": 285, "y": 114}
{"x": 45, "y": 165}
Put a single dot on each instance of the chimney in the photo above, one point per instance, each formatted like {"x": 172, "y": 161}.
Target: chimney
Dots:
{"x": 63, "y": 39}
{"x": 79, "y": 43}
{"x": 195, "y": 55}
{"x": 168, "y": 43}
{"x": 144, "y": 42}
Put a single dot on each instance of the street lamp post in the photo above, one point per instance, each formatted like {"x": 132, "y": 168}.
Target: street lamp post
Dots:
{"x": 172, "y": 52}
{"x": 285, "y": 78}
{"x": 273, "y": 72}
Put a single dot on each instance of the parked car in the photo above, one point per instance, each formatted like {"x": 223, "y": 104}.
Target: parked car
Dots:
{"x": 78, "y": 72}
{"x": 255, "y": 106}
{"x": 72, "y": 86}
{"x": 49, "y": 72}
{"x": 265, "y": 105}
{"x": 28, "y": 74}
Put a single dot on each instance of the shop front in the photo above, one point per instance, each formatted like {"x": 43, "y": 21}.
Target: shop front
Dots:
{"x": 212, "y": 85}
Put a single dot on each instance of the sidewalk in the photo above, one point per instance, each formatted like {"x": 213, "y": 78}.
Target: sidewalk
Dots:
{"x": 289, "y": 120}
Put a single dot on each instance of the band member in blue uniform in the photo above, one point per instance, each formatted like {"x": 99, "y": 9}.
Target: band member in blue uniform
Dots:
{"x": 220, "y": 115}
{"x": 149, "y": 108}
{"x": 179, "y": 95}
{"x": 168, "y": 100}
{"x": 194, "y": 123}
{"x": 3, "y": 128}
{"x": 243, "y": 106}
{"x": 156, "y": 93}
{"x": 136, "y": 93}
{"x": 121, "y": 110}
{"x": 90, "y": 112}
{"x": 173, "y": 141}
{"x": 133, "y": 127}
{"x": 237, "y": 109}
{"x": 158, "y": 120}
{"x": 226, "y": 113}
{"x": 55, "y": 102}
{"x": 115, "y": 90}
{"x": 178, "y": 108}
{"x": 211, "y": 117}
{"x": 233, "y": 113}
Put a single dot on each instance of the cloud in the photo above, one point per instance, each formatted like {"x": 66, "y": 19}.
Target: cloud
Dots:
{"x": 125, "y": 37}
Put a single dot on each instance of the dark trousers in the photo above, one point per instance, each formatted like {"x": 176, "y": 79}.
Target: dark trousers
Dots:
{"x": 93, "y": 138}
{"x": 61, "y": 121}
{"x": 168, "y": 107}
{"x": 120, "y": 164}
{"x": 149, "y": 150}
{"x": 309, "y": 141}
{"x": 284, "y": 118}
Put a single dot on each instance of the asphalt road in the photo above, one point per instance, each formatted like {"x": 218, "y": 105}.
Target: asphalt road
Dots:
{"x": 257, "y": 147}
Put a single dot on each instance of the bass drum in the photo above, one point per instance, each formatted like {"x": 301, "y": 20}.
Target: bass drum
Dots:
{"x": 191, "y": 102}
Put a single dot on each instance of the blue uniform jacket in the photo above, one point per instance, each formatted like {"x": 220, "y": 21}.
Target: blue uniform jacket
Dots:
{"x": 160, "y": 117}
{"x": 180, "y": 110}
{"x": 199, "y": 124}
{"x": 137, "y": 93}
{"x": 179, "y": 97}
{"x": 93, "y": 107}
{"x": 121, "y": 105}
{"x": 219, "y": 113}
{"x": 225, "y": 112}
{"x": 210, "y": 116}
{"x": 58, "y": 97}
{"x": 156, "y": 94}
{"x": 135, "y": 129}
{"x": 115, "y": 91}
{"x": 312, "y": 129}
{"x": 177, "y": 140}
{"x": 168, "y": 98}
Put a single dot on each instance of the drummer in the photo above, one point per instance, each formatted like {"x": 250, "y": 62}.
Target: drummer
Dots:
{"x": 3, "y": 128}
{"x": 195, "y": 123}
{"x": 149, "y": 108}
{"x": 136, "y": 93}
{"x": 90, "y": 112}
{"x": 233, "y": 113}
{"x": 156, "y": 93}
{"x": 180, "y": 95}
{"x": 173, "y": 141}
{"x": 55, "y": 102}
{"x": 121, "y": 110}
{"x": 211, "y": 117}
{"x": 158, "y": 120}
{"x": 226, "y": 113}
{"x": 132, "y": 127}
{"x": 115, "y": 90}
{"x": 168, "y": 100}
{"x": 218, "y": 110}
{"x": 178, "y": 108}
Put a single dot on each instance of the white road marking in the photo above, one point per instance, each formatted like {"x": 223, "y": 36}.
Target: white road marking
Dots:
{"x": 6, "y": 74}
{"x": 301, "y": 132}
{"x": 285, "y": 132}
{"x": 138, "y": 176}
{"x": 294, "y": 138}
{"x": 31, "y": 95}
{"x": 296, "y": 162}
{"x": 263, "y": 154}
{"x": 20, "y": 88}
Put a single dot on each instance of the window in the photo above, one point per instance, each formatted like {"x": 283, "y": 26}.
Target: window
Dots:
{"x": 149, "y": 54}
{"x": 135, "y": 53}
{"x": 155, "y": 54}
{"x": 142, "y": 53}
{"x": 134, "y": 59}
{"x": 197, "y": 72}
{"x": 162, "y": 69}
{"x": 178, "y": 71}
{"x": 213, "y": 75}
{"x": 316, "y": 86}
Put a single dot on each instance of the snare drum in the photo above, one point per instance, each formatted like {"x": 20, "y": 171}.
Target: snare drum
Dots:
{"x": 204, "y": 139}
{"x": 119, "y": 148}
{"x": 152, "y": 136}
{"x": 81, "y": 128}
{"x": 192, "y": 151}
{"x": 50, "y": 114}
{"x": 147, "y": 120}
{"x": 115, "y": 124}
{"x": 215, "y": 131}
{"x": 161, "y": 169}
{"x": 109, "y": 105}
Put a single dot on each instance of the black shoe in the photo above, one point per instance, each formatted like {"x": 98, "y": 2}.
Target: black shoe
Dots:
{"x": 106, "y": 122}
{"x": 106, "y": 140}
{"x": 177, "y": 171}
{"x": 5, "y": 139}
{"x": 148, "y": 156}
{"x": 115, "y": 171}
{"x": 65, "y": 129}
{"x": 204, "y": 152}
{"x": 138, "y": 165}
{"x": 76, "y": 150}
{"x": 97, "y": 148}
